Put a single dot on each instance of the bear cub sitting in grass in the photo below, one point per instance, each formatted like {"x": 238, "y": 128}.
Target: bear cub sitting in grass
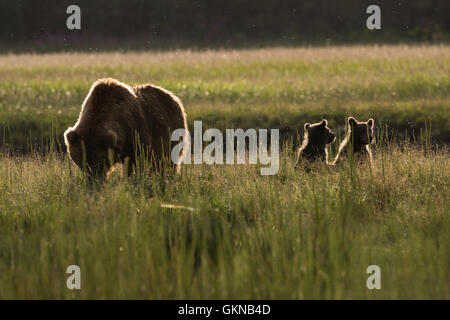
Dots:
{"x": 315, "y": 140}
{"x": 358, "y": 139}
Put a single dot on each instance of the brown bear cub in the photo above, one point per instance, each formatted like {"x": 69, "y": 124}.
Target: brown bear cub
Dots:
{"x": 315, "y": 140}
{"x": 358, "y": 139}
{"x": 114, "y": 117}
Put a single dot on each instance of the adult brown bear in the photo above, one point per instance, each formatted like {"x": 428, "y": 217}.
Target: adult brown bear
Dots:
{"x": 114, "y": 117}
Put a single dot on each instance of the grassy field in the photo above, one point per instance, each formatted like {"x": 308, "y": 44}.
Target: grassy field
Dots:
{"x": 294, "y": 235}
{"x": 404, "y": 87}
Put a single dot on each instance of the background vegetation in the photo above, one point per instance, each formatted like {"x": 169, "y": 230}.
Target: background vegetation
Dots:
{"x": 117, "y": 25}
{"x": 404, "y": 87}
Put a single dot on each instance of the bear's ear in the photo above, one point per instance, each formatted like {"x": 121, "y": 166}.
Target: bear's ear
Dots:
{"x": 324, "y": 123}
{"x": 370, "y": 122}
{"x": 70, "y": 136}
{"x": 307, "y": 125}
{"x": 111, "y": 138}
{"x": 352, "y": 121}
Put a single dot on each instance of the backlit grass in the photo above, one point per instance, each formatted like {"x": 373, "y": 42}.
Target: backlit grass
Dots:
{"x": 294, "y": 235}
{"x": 237, "y": 234}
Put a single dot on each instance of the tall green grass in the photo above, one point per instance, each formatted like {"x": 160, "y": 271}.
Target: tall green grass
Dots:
{"x": 295, "y": 235}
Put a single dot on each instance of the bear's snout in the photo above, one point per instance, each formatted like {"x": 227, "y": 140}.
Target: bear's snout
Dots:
{"x": 331, "y": 137}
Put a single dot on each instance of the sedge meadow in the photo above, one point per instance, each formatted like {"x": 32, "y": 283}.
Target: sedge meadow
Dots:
{"x": 226, "y": 231}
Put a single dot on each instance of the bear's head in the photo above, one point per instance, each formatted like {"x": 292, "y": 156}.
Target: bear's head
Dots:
{"x": 94, "y": 152}
{"x": 362, "y": 132}
{"x": 319, "y": 134}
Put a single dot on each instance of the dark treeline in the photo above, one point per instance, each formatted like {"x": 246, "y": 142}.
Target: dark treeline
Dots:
{"x": 226, "y": 23}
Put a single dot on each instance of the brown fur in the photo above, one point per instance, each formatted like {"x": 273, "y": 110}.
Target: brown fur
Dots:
{"x": 315, "y": 140}
{"x": 115, "y": 116}
{"x": 358, "y": 139}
